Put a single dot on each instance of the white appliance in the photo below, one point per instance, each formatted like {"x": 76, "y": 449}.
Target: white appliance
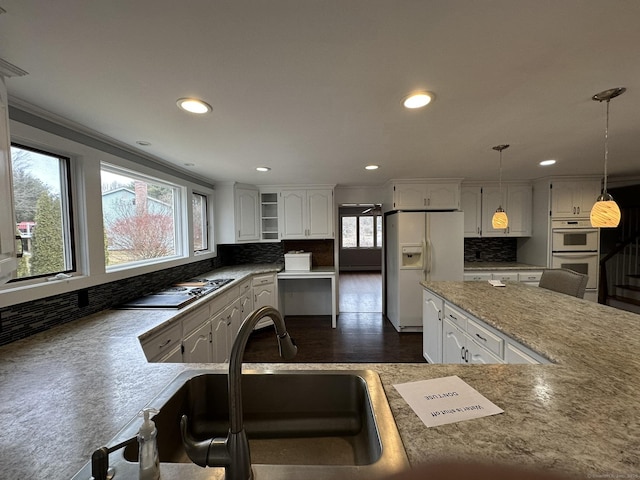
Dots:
{"x": 575, "y": 245}
{"x": 574, "y": 235}
{"x": 419, "y": 246}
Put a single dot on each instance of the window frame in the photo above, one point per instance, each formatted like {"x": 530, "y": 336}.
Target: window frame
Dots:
{"x": 377, "y": 219}
{"x": 180, "y": 212}
{"x": 86, "y": 153}
{"x": 67, "y": 210}
{"x": 207, "y": 223}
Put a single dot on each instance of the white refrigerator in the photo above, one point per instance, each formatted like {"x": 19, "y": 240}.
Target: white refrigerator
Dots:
{"x": 419, "y": 246}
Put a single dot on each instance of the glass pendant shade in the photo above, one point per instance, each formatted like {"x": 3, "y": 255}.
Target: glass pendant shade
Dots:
{"x": 605, "y": 212}
{"x": 500, "y": 219}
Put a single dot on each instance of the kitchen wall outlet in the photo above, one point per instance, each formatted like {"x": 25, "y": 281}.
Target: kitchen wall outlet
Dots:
{"x": 83, "y": 298}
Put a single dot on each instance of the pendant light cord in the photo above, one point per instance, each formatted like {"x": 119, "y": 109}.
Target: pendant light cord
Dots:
{"x": 500, "y": 178}
{"x": 606, "y": 149}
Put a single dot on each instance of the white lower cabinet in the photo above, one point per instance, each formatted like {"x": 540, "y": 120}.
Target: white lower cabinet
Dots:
{"x": 206, "y": 334}
{"x": 163, "y": 344}
{"x": 460, "y": 347}
{"x": 246, "y": 299}
{"x": 432, "y": 307}
{"x": 196, "y": 330}
{"x": 219, "y": 344}
{"x": 530, "y": 277}
{"x": 265, "y": 294}
{"x": 477, "y": 276}
{"x": 197, "y": 346}
{"x": 225, "y": 326}
{"x": 465, "y": 339}
{"x": 174, "y": 356}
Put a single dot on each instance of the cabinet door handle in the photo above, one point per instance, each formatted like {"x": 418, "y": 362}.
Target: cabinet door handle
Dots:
{"x": 466, "y": 355}
{"x": 578, "y": 210}
{"x": 462, "y": 353}
{"x": 480, "y": 337}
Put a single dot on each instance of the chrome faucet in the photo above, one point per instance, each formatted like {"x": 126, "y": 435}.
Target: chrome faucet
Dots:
{"x": 232, "y": 452}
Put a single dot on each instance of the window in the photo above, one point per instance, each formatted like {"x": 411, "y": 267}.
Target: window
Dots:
{"x": 44, "y": 220}
{"x": 200, "y": 230}
{"x": 361, "y": 230}
{"x": 140, "y": 218}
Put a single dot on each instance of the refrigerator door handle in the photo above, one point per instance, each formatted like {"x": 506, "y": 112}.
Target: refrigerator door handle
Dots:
{"x": 426, "y": 257}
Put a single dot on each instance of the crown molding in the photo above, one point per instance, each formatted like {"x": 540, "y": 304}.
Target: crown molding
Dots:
{"x": 83, "y": 131}
{"x": 8, "y": 70}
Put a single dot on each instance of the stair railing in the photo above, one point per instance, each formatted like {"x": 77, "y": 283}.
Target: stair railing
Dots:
{"x": 626, "y": 254}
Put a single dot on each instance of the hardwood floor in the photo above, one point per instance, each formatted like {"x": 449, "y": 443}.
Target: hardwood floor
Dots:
{"x": 360, "y": 292}
{"x": 360, "y": 337}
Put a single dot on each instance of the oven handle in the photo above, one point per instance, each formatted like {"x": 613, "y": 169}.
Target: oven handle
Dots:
{"x": 574, "y": 230}
{"x": 586, "y": 254}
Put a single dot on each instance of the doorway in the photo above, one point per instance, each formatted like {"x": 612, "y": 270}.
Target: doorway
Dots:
{"x": 360, "y": 258}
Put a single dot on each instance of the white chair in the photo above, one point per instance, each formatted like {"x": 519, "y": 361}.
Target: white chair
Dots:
{"x": 564, "y": 281}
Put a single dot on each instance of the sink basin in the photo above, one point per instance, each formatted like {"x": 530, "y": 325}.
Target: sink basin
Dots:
{"x": 324, "y": 419}
{"x": 300, "y": 424}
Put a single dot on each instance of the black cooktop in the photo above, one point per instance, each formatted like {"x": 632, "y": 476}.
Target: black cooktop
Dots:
{"x": 178, "y": 295}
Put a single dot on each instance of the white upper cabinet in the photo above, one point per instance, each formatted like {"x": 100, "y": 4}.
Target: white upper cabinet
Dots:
{"x": 572, "y": 198}
{"x": 306, "y": 213}
{"x": 471, "y": 204}
{"x": 237, "y": 213}
{"x": 426, "y": 196}
{"x": 8, "y": 261}
{"x": 515, "y": 198}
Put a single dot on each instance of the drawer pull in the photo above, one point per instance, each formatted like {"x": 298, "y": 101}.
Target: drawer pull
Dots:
{"x": 165, "y": 343}
{"x": 481, "y": 337}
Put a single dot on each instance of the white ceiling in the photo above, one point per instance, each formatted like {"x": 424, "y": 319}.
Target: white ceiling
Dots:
{"x": 313, "y": 88}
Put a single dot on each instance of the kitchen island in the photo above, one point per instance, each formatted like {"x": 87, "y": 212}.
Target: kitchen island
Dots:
{"x": 69, "y": 390}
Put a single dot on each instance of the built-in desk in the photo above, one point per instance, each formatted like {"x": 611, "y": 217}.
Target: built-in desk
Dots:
{"x": 308, "y": 292}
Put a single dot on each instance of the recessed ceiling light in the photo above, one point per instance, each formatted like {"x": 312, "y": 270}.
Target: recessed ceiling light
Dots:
{"x": 371, "y": 167}
{"x": 418, "y": 100}
{"x": 143, "y": 143}
{"x": 263, "y": 169}
{"x": 194, "y": 105}
{"x": 545, "y": 163}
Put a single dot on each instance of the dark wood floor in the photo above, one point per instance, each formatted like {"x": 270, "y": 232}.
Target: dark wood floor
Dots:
{"x": 360, "y": 336}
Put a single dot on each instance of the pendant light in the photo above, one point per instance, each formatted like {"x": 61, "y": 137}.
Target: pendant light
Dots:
{"x": 500, "y": 219}
{"x": 605, "y": 212}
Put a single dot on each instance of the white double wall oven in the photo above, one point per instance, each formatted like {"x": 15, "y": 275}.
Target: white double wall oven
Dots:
{"x": 575, "y": 245}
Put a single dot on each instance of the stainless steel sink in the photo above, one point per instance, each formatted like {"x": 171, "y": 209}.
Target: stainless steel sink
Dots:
{"x": 300, "y": 424}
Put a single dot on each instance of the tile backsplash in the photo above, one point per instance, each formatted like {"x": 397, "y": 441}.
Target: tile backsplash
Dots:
{"x": 490, "y": 249}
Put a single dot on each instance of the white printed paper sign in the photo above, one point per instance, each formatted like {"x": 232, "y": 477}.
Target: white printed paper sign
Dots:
{"x": 445, "y": 400}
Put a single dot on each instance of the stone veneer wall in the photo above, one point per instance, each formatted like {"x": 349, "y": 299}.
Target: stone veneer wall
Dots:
{"x": 490, "y": 249}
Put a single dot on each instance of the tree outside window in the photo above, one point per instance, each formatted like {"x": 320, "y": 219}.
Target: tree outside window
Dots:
{"x": 43, "y": 212}
{"x": 139, "y": 218}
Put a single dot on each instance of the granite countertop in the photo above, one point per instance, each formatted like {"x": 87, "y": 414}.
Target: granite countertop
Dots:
{"x": 500, "y": 266}
{"x": 69, "y": 390}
